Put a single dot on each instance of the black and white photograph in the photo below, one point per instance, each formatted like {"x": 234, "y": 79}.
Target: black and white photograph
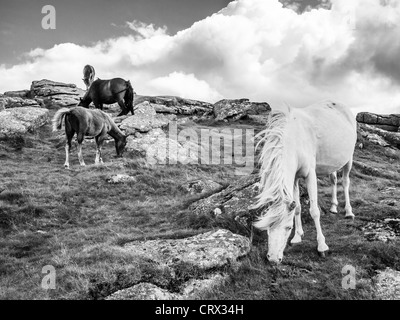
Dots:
{"x": 204, "y": 156}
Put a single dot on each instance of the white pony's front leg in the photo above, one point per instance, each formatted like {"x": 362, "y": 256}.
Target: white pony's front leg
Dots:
{"x": 297, "y": 217}
{"x": 346, "y": 187}
{"x": 80, "y": 157}
{"x": 311, "y": 181}
{"x": 334, "y": 201}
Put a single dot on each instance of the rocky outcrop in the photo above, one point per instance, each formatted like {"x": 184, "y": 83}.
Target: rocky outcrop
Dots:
{"x": 25, "y": 94}
{"x": 145, "y": 119}
{"x": 389, "y": 122}
{"x": 56, "y": 94}
{"x": 238, "y": 109}
{"x": 18, "y": 102}
{"x": 176, "y": 105}
{"x": 202, "y": 255}
{"x": 235, "y": 201}
{"x": 149, "y": 141}
{"x": 371, "y": 133}
{"x": 22, "y": 120}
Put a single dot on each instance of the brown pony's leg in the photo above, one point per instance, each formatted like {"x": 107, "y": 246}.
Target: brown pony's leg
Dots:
{"x": 80, "y": 140}
{"x": 69, "y": 132}
{"x": 99, "y": 144}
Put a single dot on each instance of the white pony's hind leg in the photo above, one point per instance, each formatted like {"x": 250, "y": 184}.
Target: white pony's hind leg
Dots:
{"x": 334, "y": 201}
{"x": 311, "y": 181}
{"x": 346, "y": 187}
{"x": 297, "y": 217}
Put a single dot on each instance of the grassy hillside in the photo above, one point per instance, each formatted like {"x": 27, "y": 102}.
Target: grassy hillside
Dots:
{"x": 71, "y": 218}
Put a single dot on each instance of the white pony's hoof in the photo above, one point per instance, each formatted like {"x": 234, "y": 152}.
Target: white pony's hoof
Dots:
{"x": 322, "y": 248}
{"x": 296, "y": 239}
{"x": 333, "y": 210}
{"x": 349, "y": 216}
{"x": 323, "y": 254}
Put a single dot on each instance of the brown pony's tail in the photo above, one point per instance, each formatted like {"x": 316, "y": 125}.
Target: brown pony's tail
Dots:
{"x": 58, "y": 118}
{"x": 129, "y": 96}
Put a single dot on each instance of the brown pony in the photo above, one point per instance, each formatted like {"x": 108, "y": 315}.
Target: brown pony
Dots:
{"x": 88, "y": 122}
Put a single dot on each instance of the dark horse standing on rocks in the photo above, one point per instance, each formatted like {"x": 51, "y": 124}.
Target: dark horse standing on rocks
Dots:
{"x": 108, "y": 92}
{"x": 88, "y": 75}
{"x": 88, "y": 122}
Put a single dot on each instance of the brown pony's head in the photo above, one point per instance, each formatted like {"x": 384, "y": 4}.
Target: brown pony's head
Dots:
{"x": 85, "y": 101}
{"x": 120, "y": 145}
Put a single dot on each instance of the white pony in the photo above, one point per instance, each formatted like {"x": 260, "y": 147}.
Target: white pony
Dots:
{"x": 302, "y": 143}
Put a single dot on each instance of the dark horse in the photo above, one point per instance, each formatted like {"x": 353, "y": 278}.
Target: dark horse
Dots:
{"x": 88, "y": 75}
{"x": 108, "y": 92}
{"x": 88, "y": 122}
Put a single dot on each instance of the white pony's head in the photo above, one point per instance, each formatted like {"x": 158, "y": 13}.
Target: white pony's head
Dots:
{"x": 279, "y": 228}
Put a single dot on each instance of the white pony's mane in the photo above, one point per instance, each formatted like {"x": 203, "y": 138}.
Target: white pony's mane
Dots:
{"x": 274, "y": 191}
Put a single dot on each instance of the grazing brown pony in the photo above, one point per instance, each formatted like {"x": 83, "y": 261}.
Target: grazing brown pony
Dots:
{"x": 88, "y": 75}
{"x": 108, "y": 92}
{"x": 88, "y": 122}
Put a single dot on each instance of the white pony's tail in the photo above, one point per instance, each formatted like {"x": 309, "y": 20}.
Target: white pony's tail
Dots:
{"x": 58, "y": 118}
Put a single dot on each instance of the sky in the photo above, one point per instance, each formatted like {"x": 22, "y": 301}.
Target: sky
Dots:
{"x": 294, "y": 52}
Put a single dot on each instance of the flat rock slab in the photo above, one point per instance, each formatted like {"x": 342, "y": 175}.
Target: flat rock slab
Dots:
{"x": 191, "y": 289}
{"x": 388, "y": 284}
{"x": 205, "y": 251}
{"x": 22, "y": 120}
{"x": 201, "y": 186}
{"x": 120, "y": 178}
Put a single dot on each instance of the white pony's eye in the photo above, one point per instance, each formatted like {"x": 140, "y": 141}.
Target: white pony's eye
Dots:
{"x": 288, "y": 228}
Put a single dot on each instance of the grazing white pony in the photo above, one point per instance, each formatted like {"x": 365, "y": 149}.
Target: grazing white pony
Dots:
{"x": 302, "y": 143}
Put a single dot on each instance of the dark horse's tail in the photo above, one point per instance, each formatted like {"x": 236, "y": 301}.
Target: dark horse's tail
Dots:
{"x": 129, "y": 96}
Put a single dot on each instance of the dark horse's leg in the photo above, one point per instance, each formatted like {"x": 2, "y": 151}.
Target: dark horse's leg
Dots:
{"x": 69, "y": 132}
{"x": 124, "y": 111}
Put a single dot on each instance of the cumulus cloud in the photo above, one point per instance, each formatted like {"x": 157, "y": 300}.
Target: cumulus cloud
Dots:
{"x": 262, "y": 50}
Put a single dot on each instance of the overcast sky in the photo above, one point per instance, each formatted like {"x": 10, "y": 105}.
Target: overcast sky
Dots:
{"x": 287, "y": 51}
